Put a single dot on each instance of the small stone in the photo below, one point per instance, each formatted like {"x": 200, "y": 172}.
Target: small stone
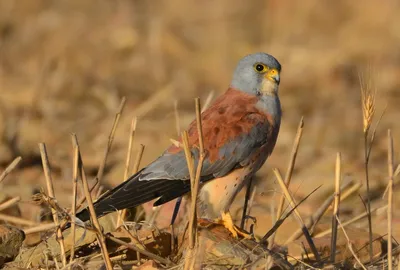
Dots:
{"x": 11, "y": 239}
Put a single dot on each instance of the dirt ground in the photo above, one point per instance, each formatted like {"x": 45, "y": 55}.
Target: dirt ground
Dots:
{"x": 65, "y": 65}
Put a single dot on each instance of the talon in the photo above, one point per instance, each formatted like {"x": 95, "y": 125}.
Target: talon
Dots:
{"x": 227, "y": 221}
{"x": 254, "y": 219}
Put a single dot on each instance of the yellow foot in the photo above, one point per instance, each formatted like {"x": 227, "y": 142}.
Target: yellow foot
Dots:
{"x": 227, "y": 221}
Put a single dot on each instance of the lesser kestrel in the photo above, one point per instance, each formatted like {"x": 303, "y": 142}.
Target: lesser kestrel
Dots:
{"x": 240, "y": 131}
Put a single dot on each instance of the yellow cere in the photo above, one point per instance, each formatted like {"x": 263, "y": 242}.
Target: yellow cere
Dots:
{"x": 272, "y": 72}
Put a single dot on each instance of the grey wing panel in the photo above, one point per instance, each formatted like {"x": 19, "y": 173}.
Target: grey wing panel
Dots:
{"x": 234, "y": 153}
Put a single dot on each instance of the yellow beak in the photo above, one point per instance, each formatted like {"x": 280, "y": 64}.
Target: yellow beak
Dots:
{"x": 273, "y": 76}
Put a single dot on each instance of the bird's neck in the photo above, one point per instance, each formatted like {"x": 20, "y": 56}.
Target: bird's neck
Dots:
{"x": 270, "y": 105}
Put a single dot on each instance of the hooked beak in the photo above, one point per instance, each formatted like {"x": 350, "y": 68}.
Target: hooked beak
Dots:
{"x": 273, "y": 78}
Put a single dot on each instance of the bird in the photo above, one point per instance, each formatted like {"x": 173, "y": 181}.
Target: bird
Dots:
{"x": 240, "y": 130}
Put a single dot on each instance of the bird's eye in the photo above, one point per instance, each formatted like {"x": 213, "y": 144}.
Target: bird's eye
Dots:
{"x": 260, "y": 68}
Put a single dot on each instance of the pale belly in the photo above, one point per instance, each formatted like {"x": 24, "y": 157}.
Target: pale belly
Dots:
{"x": 217, "y": 195}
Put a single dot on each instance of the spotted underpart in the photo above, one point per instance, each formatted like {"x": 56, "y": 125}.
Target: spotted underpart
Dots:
{"x": 217, "y": 196}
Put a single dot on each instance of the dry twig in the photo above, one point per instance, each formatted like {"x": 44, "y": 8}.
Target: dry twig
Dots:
{"x": 135, "y": 169}
{"x": 10, "y": 168}
{"x": 50, "y": 191}
{"x": 40, "y": 228}
{"x": 17, "y": 220}
{"x": 177, "y": 118}
{"x": 313, "y": 221}
{"x": 351, "y": 221}
{"x": 99, "y": 234}
{"x": 297, "y": 214}
{"x": 195, "y": 182}
{"x": 207, "y": 103}
{"x": 138, "y": 159}
{"x": 9, "y": 203}
{"x": 102, "y": 166}
{"x": 142, "y": 251}
{"x": 390, "y": 200}
{"x": 336, "y": 207}
{"x": 289, "y": 173}
{"x": 368, "y": 111}
{"x": 350, "y": 246}
{"x": 74, "y": 193}
{"x": 122, "y": 213}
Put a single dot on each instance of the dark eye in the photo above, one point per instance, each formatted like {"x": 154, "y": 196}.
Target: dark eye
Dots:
{"x": 260, "y": 67}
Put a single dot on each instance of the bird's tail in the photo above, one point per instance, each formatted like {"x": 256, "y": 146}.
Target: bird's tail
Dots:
{"x": 133, "y": 192}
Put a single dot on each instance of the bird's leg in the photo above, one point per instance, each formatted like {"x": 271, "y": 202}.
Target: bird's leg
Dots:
{"x": 227, "y": 221}
{"x": 176, "y": 210}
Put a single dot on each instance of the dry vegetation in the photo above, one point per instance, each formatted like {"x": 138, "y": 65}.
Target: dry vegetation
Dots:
{"x": 66, "y": 65}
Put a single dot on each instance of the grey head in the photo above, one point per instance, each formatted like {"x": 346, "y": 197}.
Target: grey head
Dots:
{"x": 257, "y": 74}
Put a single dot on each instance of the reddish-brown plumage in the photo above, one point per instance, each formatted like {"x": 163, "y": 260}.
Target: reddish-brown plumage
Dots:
{"x": 225, "y": 120}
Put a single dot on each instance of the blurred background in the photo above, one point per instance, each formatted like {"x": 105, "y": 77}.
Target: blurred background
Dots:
{"x": 65, "y": 65}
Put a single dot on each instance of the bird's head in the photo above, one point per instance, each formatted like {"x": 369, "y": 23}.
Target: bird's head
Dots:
{"x": 257, "y": 74}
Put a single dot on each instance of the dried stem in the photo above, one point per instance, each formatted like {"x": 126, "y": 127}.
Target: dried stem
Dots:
{"x": 398, "y": 262}
{"x": 347, "y": 193}
{"x": 312, "y": 222}
{"x": 100, "y": 172}
{"x": 136, "y": 166}
{"x": 102, "y": 166}
{"x": 40, "y": 228}
{"x": 366, "y": 161}
{"x": 177, "y": 118}
{"x": 390, "y": 200}
{"x": 292, "y": 203}
{"x": 368, "y": 110}
{"x": 50, "y": 191}
{"x": 74, "y": 194}
{"x": 138, "y": 159}
{"x": 17, "y": 220}
{"x": 208, "y": 101}
{"x": 195, "y": 183}
{"x": 99, "y": 192}
{"x": 350, "y": 246}
{"x": 279, "y": 222}
{"x": 395, "y": 181}
{"x": 9, "y": 203}
{"x": 142, "y": 251}
{"x": 316, "y": 217}
{"x": 336, "y": 207}
{"x": 9, "y": 168}
{"x": 288, "y": 175}
{"x": 130, "y": 144}
{"x": 122, "y": 213}
{"x": 95, "y": 222}
{"x": 292, "y": 162}
{"x": 350, "y": 221}
{"x": 188, "y": 154}
{"x": 177, "y": 144}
